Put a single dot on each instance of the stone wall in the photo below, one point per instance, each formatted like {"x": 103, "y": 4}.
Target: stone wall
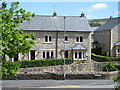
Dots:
{"x": 107, "y": 39}
{"x": 74, "y": 71}
{"x": 103, "y": 38}
{"x": 41, "y": 45}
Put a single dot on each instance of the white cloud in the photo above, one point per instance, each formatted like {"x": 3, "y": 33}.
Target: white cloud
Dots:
{"x": 117, "y": 13}
{"x": 93, "y": 8}
{"x": 99, "y": 6}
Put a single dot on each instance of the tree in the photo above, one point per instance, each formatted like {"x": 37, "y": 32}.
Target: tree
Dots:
{"x": 94, "y": 24}
{"x": 14, "y": 41}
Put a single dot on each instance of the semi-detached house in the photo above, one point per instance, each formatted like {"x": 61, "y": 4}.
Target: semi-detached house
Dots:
{"x": 58, "y": 37}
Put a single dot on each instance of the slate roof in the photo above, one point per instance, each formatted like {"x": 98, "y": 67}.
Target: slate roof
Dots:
{"x": 117, "y": 43}
{"x": 50, "y": 23}
{"x": 76, "y": 47}
{"x": 109, "y": 24}
{"x": 33, "y": 48}
{"x": 93, "y": 28}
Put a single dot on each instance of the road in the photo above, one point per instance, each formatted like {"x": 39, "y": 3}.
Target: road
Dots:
{"x": 59, "y": 84}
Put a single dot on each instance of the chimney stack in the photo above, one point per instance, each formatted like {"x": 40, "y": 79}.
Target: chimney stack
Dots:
{"x": 54, "y": 14}
{"x": 111, "y": 17}
{"x": 82, "y": 15}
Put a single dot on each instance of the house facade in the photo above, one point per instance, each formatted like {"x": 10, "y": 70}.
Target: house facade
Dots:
{"x": 107, "y": 37}
{"x": 58, "y": 37}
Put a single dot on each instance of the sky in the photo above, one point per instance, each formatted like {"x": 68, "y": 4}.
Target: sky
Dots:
{"x": 92, "y": 10}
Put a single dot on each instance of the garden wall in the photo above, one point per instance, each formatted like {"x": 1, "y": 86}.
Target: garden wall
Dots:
{"x": 73, "y": 71}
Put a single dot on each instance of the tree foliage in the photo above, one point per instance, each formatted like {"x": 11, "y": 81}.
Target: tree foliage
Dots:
{"x": 13, "y": 39}
{"x": 117, "y": 80}
{"x": 94, "y": 24}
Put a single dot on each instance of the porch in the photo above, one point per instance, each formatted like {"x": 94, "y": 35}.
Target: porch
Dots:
{"x": 76, "y": 52}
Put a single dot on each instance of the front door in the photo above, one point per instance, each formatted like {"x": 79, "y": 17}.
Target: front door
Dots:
{"x": 66, "y": 54}
{"x": 16, "y": 58}
{"x": 32, "y": 55}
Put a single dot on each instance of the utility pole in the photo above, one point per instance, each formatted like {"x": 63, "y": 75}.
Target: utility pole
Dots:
{"x": 64, "y": 51}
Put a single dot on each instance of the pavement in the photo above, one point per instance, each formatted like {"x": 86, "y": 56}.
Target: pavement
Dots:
{"x": 59, "y": 84}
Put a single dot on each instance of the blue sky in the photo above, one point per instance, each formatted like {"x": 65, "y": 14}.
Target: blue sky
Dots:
{"x": 92, "y": 10}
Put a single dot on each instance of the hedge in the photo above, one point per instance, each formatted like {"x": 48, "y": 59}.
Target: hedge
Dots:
{"x": 109, "y": 67}
{"x": 100, "y": 58}
{"x": 44, "y": 62}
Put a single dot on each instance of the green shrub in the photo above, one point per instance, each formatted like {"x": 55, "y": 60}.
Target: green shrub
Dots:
{"x": 9, "y": 69}
{"x": 117, "y": 80}
{"x": 78, "y": 61}
{"x": 109, "y": 67}
{"x": 100, "y": 58}
{"x": 44, "y": 62}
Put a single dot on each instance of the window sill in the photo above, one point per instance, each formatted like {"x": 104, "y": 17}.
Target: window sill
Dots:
{"x": 47, "y": 42}
{"x": 66, "y": 41}
{"x": 78, "y": 42}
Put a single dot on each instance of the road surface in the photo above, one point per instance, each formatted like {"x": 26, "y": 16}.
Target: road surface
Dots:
{"x": 59, "y": 84}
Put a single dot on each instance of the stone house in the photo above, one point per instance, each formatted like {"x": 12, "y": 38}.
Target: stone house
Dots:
{"x": 58, "y": 37}
{"x": 107, "y": 37}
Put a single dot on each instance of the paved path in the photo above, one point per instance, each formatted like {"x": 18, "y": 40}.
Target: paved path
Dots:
{"x": 105, "y": 84}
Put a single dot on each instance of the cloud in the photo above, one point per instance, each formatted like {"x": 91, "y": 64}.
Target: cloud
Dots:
{"x": 117, "y": 13}
{"x": 99, "y": 6}
{"x": 95, "y": 7}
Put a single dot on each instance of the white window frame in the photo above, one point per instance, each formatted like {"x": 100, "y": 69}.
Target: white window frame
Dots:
{"x": 79, "y": 38}
{"x": 48, "y": 38}
{"x": 118, "y": 50}
{"x": 46, "y": 53}
{"x": 83, "y": 55}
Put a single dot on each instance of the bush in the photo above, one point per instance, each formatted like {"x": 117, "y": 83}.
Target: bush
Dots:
{"x": 78, "y": 61}
{"x": 100, "y": 58}
{"x": 117, "y": 80}
{"x": 45, "y": 62}
{"x": 9, "y": 69}
{"x": 109, "y": 67}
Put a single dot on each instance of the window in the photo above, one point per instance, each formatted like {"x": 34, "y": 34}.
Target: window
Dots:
{"x": 52, "y": 54}
{"x": 43, "y": 54}
{"x": 32, "y": 55}
{"x": 48, "y": 38}
{"x": 66, "y": 54}
{"x": 75, "y": 54}
{"x": 79, "y": 39}
{"x": 48, "y": 54}
{"x": 16, "y": 58}
{"x": 79, "y": 55}
{"x": 66, "y": 38}
{"x": 118, "y": 50}
{"x": 84, "y": 54}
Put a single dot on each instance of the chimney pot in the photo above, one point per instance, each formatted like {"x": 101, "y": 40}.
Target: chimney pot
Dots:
{"x": 82, "y": 15}
{"x": 54, "y": 14}
{"x": 111, "y": 17}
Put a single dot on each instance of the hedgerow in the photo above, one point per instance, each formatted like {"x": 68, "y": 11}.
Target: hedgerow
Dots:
{"x": 44, "y": 62}
{"x": 100, "y": 58}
